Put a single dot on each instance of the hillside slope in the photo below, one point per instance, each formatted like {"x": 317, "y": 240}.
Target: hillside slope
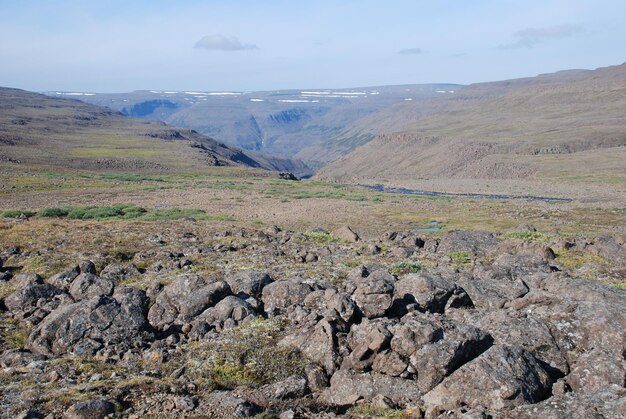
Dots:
{"x": 38, "y": 130}
{"x": 281, "y": 123}
{"x": 565, "y": 127}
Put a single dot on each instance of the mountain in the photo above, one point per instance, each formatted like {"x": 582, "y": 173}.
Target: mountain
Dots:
{"x": 303, "y": 124}
{"x": 39, "y": 130}
{"x": 568, "y": 126}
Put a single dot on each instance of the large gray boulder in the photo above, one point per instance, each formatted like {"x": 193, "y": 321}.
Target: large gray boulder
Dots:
{"x": 280, "y": 295}
{"x": 501, "y": 378}
{"x": 27, "y": 298}
{"x": 84, "y": 327}
{"x": 86, "y": 286}
{"x": 374, "y": 293}
{"x": 347, "y": 387}
{"x": 431, "y": 293}
{"x": 248, "y": 283}
{"x": 185, "y": 299}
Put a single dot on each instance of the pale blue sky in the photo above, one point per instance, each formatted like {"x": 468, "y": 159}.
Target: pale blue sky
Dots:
{"x": 116, "y": 46}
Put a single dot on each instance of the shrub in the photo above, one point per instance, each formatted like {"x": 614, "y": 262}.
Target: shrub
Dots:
{"x": 54, "y": 212}
{"x": 461, "y": 258}
{"x": 406, "y": 267}
{"x": 16, "y": 213}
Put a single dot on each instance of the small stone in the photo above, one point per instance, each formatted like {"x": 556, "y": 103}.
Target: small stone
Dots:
{"x": 185, "y": 403}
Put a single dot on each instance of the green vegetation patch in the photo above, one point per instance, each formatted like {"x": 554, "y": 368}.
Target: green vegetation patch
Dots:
{"x": 461, "y": 258}
{"x": 17, "y": 213}
{"x": 320, "y": 237}
{"x": 249, "y": 355}
{"x": 123, "y": 211}
{"x": 406, "y": 267}
{"x": 176, "y": 214}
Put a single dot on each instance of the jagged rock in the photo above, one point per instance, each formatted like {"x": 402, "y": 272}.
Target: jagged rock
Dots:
{"x": 416, "y": 330}
{"x": 87, "y": 267}
{"x": 608, "y": 248}
{"x": 596, "y": 370}
{"x": 64, "y": 279}
{"x": 90, "y": 409}
{"x": 186, "y": 404}
{"x": 390, "y": 363}
{"x": 248, "y": 283}
{"x": 282, "y": 294}
{"x": 374, "y": 293}
{"x": 347, "y": 387}
{"x": 525, "y": 331}
{"x": 25, "y": 279}
{"x": 431, "y": 293}
{"x": 581, "y": 315}
{"x": 366, "y": 340}
{"x": 319, "y": 343}
{"x": 610, "y": 402}
{"x": 330, "y": 300}
{"x": 87, "y": 286}
{"x": 28, "y": 298}
{"x": 86, "y": 326}
{"x": 316, "y": 378}
{"x": 459, "y": 344}
{"x": 502, "y": 377}
{"x": 290, "y": 388}
{"x": 184, "y": 299}
{"x": 230, "y": 307}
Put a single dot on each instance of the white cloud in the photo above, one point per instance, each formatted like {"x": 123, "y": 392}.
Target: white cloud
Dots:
{"x": 411, "y": 51}
{"x": 222, "y": 43}
{"x": 528, "y": 38}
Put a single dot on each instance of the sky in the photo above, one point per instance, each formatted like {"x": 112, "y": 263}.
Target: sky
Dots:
{"x": 247, "y": 45}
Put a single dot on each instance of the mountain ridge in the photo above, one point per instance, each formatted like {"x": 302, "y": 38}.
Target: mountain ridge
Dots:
{"x": 80, "y": 135}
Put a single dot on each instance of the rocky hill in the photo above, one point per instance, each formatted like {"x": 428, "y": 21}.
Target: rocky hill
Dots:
{"x": 286, "y": 123}
{"x": 481, "y": 327}
{"x": 38, "y": 130}
{"x": 563, "y": 127}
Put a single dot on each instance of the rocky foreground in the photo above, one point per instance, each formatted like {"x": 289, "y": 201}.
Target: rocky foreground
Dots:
{"x": 466, "y": 325}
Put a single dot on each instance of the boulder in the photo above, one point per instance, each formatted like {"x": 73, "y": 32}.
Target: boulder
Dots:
{"x": 318, "y": 343}
{"x": 90, "y": 409}
{"x": 184, "y": 299}
{"x": 64, "y": 279}
{"x": 503, "y": 377}
{"x": 230, "y": 307}
{"x": 248, "y": 283}
{"x": 431, "y": 293}
{"x": 609, "y": 402}
{"x": 596, "y": 370}
{"x": 415, "y": 331}
{"x": 279, "y": 295}
{"x": 521, "y": 329}
{"x": 374, "y": 293}
{"x": 84, "y": 327}
{"x": 347, "y": 387}
{"x": 27, "y": 298}
{"x": 459, "y": 344}
{"x": 86, "y": 286}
